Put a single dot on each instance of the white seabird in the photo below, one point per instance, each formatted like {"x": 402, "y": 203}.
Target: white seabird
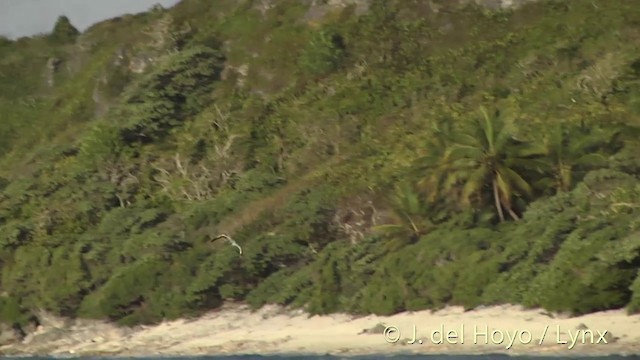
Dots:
{"x": 229, "y": 240}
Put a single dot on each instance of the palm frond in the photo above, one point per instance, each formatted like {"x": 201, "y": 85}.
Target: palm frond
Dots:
{"x": 514, "y": 179}
{"x": 487, "y": 127}
{"x": 529, "y": 150}
{"x": 475, "y": 182}
{"x": 459, "y": 152}
{"x": 591, "y": 161}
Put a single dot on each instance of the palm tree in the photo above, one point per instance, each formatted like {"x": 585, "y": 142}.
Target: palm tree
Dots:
{"x": 433, "y": 168}
{"x": 487, "y": 155}
{"x": 570, "y": 152}
{"x": 409, "y": 213}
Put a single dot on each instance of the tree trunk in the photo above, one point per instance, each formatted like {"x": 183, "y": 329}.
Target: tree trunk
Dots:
{"x": 513, "y": 214}
{"x": 496, "y": 197}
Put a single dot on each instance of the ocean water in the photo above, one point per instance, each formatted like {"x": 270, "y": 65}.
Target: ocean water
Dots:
{"x": 370, "y": 357}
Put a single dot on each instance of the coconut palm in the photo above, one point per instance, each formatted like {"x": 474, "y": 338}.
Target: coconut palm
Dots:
{"x": 487, "y": 156}
{"x": 409, "y": 213}
{"x": 573, "y": 152}
{"x": 433, "y": 167}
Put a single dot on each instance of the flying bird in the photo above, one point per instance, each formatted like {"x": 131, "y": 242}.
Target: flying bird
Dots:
{"x": 229, "y": 240}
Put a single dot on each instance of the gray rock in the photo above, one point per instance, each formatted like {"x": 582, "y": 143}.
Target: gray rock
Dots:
{"x": 9, "y": 334}
{"x": 48, "y": 320}
{"x": 378, "y": 329}
{"x": 47, "y": 337}
{"x": 610, "y": 338}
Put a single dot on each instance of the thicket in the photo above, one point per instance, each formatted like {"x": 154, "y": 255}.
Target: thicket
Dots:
{"x": 396, "y": 160}
{"x": 63, "y": 31}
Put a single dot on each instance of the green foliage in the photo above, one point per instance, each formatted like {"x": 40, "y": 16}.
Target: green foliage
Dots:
{"x": 572, "y": 259}
{"x": 112, "y": 180}
{"x": 63, "y": 31}
{"x": 574, "y": 152}
{"x": 64, "y": 282}
{"x": 634, "y": 303}
{"x": 486, "y": 156}
{"x": 102, "y": 145}
{"x": 411, "y": 215}
{"x": 324, "y": 53}
{"x": 11, "y": 312}
{"x": 115, "y": 298}
{"x": 176, "y": 90}
{"x": 5, "y": 41}
{"x": 327, "y": 281}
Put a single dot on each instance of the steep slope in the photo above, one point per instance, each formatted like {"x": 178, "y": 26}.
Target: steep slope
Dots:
{"x": 369, "y": 156}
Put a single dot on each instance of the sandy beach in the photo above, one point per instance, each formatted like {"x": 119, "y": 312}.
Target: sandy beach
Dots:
{"x": 234, "y": 329}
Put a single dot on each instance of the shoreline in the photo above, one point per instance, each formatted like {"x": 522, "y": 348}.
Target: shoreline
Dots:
{"x": 274, "y": 330}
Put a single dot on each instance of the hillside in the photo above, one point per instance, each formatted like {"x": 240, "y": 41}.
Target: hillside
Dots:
{"x": 368, "y": 157}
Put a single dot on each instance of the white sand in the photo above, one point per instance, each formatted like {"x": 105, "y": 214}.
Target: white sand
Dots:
{"x": 237, "y": 330}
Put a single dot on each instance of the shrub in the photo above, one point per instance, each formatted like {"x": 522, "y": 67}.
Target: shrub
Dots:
{"x": 178, "y": 88}
{"x": 63, "y": 31}
{"x": 324, "y": 53}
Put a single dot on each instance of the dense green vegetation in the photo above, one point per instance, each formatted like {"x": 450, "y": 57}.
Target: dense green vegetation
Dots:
{"x": 398, "y": 159}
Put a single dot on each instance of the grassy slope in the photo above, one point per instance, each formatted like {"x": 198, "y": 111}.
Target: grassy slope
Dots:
{"x": 97, "y": 220}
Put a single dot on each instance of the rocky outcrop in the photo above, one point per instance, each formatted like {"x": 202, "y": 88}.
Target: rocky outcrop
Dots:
{"x": 238, "y": 72}
{"x": 499, "y": 4}
{"x": 264, "y": 5}
{"x": 119, "y": 57}
{"x": 53, "y": 64}
{"x": 52, "y": 332}
{"x": 102, "y": 104}
{"x": 357, "y": 218}
{"x": 140, "y": 63}
{"x": 319, "y": 9}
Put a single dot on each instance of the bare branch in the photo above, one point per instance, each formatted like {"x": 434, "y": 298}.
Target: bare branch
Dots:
{"x": 162, "y": 170}
{"x": 179, "y": 166}
{"x": 120, "y": 200}
{"x": 221, "y": 121}
{"x": 624, "y": 204}
{"x": 186, "y": 194}
{"x": 223, "y": 152}
{"x": 313, "y": 250}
